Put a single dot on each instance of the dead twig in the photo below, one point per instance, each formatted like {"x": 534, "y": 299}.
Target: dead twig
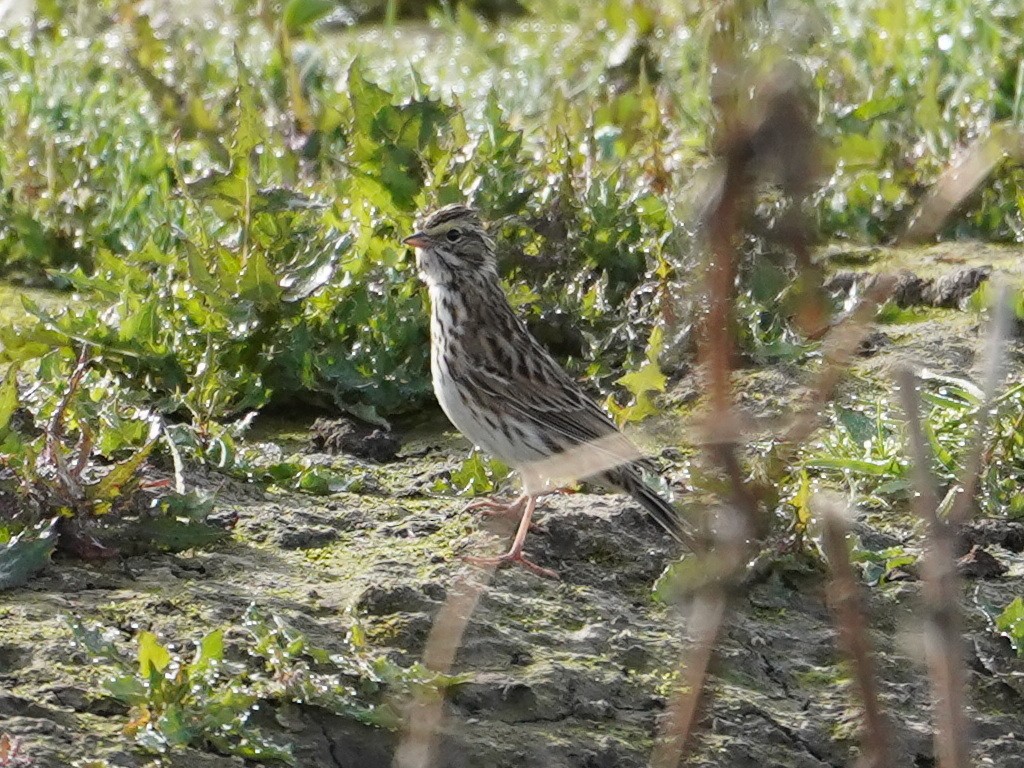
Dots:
{"x": 961, "y": 178}
{"x": 848, "y": 616}
{"x": 999, "y": 328}
{"x": 942, "y": 633}
{"x": 705, "y": 619}
{"x": 839, "y": 348}
{"x": 777, "y": 137}
{"x": 424, "y": 715}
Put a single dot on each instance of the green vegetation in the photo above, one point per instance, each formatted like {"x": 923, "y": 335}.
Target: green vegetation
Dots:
{"x": 208, "y": 700}
{"x": 1010, "y": 623}
{"x": 75, "y": 447}
{"x": 177, "y": 702}
{"x": 866, "y": 450}
{"x": 231, "y": 219}
{"x": 219, "y": 207}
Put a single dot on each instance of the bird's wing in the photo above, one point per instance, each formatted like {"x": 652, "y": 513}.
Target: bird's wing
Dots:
{"x": 545, "y": 397}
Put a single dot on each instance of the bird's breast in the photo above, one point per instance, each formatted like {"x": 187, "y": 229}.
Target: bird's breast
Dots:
{"x": 481, "y": 416}
{"x": 444, "y": 352}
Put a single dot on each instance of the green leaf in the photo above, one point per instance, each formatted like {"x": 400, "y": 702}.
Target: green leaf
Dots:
{"x": 857, "y": 424}
{"x": 8, "y": 396}
{"x": 196, "y": 505}
{"x": 317, "y": 483}
{"x": 229, "y": 186}
{"x": 641, "y": 382}
{"x": 141, "y": 325}
{"x": 258, "y": 283}
{"x": 110, "y": 486}
{"x": 892, "y": 563}
{"x": 211, "y": 648}
{"x": 892, "y": 313}
{"x": 477, "y": 474}
{"x": 128, "y": 689}
{"x": 646, "y": 379}
{"x": 283, "y": 470}
{"x": 174, "y": 727}
{"x": 283, "y": 199}
{"x": 299, "y": 15}
{"x": 394, "y": 145}
{"x": 174, "y": 534}
{"x": 860, "y": 151}
{"x": 95, "y": 639}
{"x": 250, "y": 130}
{"x": 26, "y": 554}
{"x": 306, "y": 279}
{"x": 869, "y": 467}
{"x": 641, "y": 408}
{"x": 686, "y": 577}
{"x": 801, "y": 503}
{"x": 199, "y": 271}
{"x": 1010, "y": 624}
{"x": 944, "y": 457}
{"x": 963, "y": 388}
{"x": 151, "y": 740}
{"x": 982, "y": 299}
{"x": 767, "y": 281}
{"x": 873, "y": 108}
{"x": 261, "y": 749}
{"x": 152, "y": 655}
{"x": 893, "y": 488}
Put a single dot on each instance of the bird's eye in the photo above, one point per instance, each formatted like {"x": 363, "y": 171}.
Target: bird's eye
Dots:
{"x": 453, "y": 235}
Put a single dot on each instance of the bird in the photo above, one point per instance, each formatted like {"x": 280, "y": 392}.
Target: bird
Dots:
{"x": 506, "y": 393}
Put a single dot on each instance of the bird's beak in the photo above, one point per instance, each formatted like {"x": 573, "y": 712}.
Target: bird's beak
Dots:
{"x": 417, "y": 240}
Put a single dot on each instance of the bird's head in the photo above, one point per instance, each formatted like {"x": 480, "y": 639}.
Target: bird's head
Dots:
{"x": 453, "y": 246}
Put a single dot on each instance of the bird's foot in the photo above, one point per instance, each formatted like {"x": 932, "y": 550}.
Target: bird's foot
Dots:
{"x": 496, "y": 508}
{"x": 509, "y": 510}
{"x": 511, "y": 558}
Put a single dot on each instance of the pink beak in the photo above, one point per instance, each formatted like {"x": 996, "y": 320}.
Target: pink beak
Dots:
{"x": 417, "y": 240}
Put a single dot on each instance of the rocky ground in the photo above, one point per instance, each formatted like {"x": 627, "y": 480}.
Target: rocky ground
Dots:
{"x": 568, "y": 673}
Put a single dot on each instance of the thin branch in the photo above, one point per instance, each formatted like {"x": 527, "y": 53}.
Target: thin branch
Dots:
{"x": 942, "y": 633}
{"x": 999, "y": 327}
{"x": 53, "y": 451}
{"x": 706, "y": 619}
{"x": 848, "y": 615}
{"x": 424, "y": 716}
{"x": 961, "y": 178}
{"x": 839, "y": 349}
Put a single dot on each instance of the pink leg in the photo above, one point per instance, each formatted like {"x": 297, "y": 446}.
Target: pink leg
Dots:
{"x": 515, "y": 555}
{"x": 510, "y": 510}
{"x": 495, "y": 508}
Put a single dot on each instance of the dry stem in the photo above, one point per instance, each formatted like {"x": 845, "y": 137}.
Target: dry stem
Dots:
{"x": 848, "y": 616}
{"x": 942, "y": 633}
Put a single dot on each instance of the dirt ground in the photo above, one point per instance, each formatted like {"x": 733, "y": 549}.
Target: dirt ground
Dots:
{"x": 568, "y": 673}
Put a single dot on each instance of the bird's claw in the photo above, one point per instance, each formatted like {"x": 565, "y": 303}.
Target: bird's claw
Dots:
{"x": 492, "y": 508}
{"x": 511, "y": 511}
{"x": 510, "y": 558}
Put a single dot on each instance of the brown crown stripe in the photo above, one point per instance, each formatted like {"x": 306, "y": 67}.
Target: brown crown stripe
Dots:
{"x": 450, "y": 213}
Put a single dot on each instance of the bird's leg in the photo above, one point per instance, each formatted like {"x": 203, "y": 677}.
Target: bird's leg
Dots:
{"x": 515, "y": 555}
{"x": 495, "y": 508}
{"x": 510, "y": 510}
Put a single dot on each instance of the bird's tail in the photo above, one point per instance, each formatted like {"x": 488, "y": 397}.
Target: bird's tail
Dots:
{"x": 663, "y": 512}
